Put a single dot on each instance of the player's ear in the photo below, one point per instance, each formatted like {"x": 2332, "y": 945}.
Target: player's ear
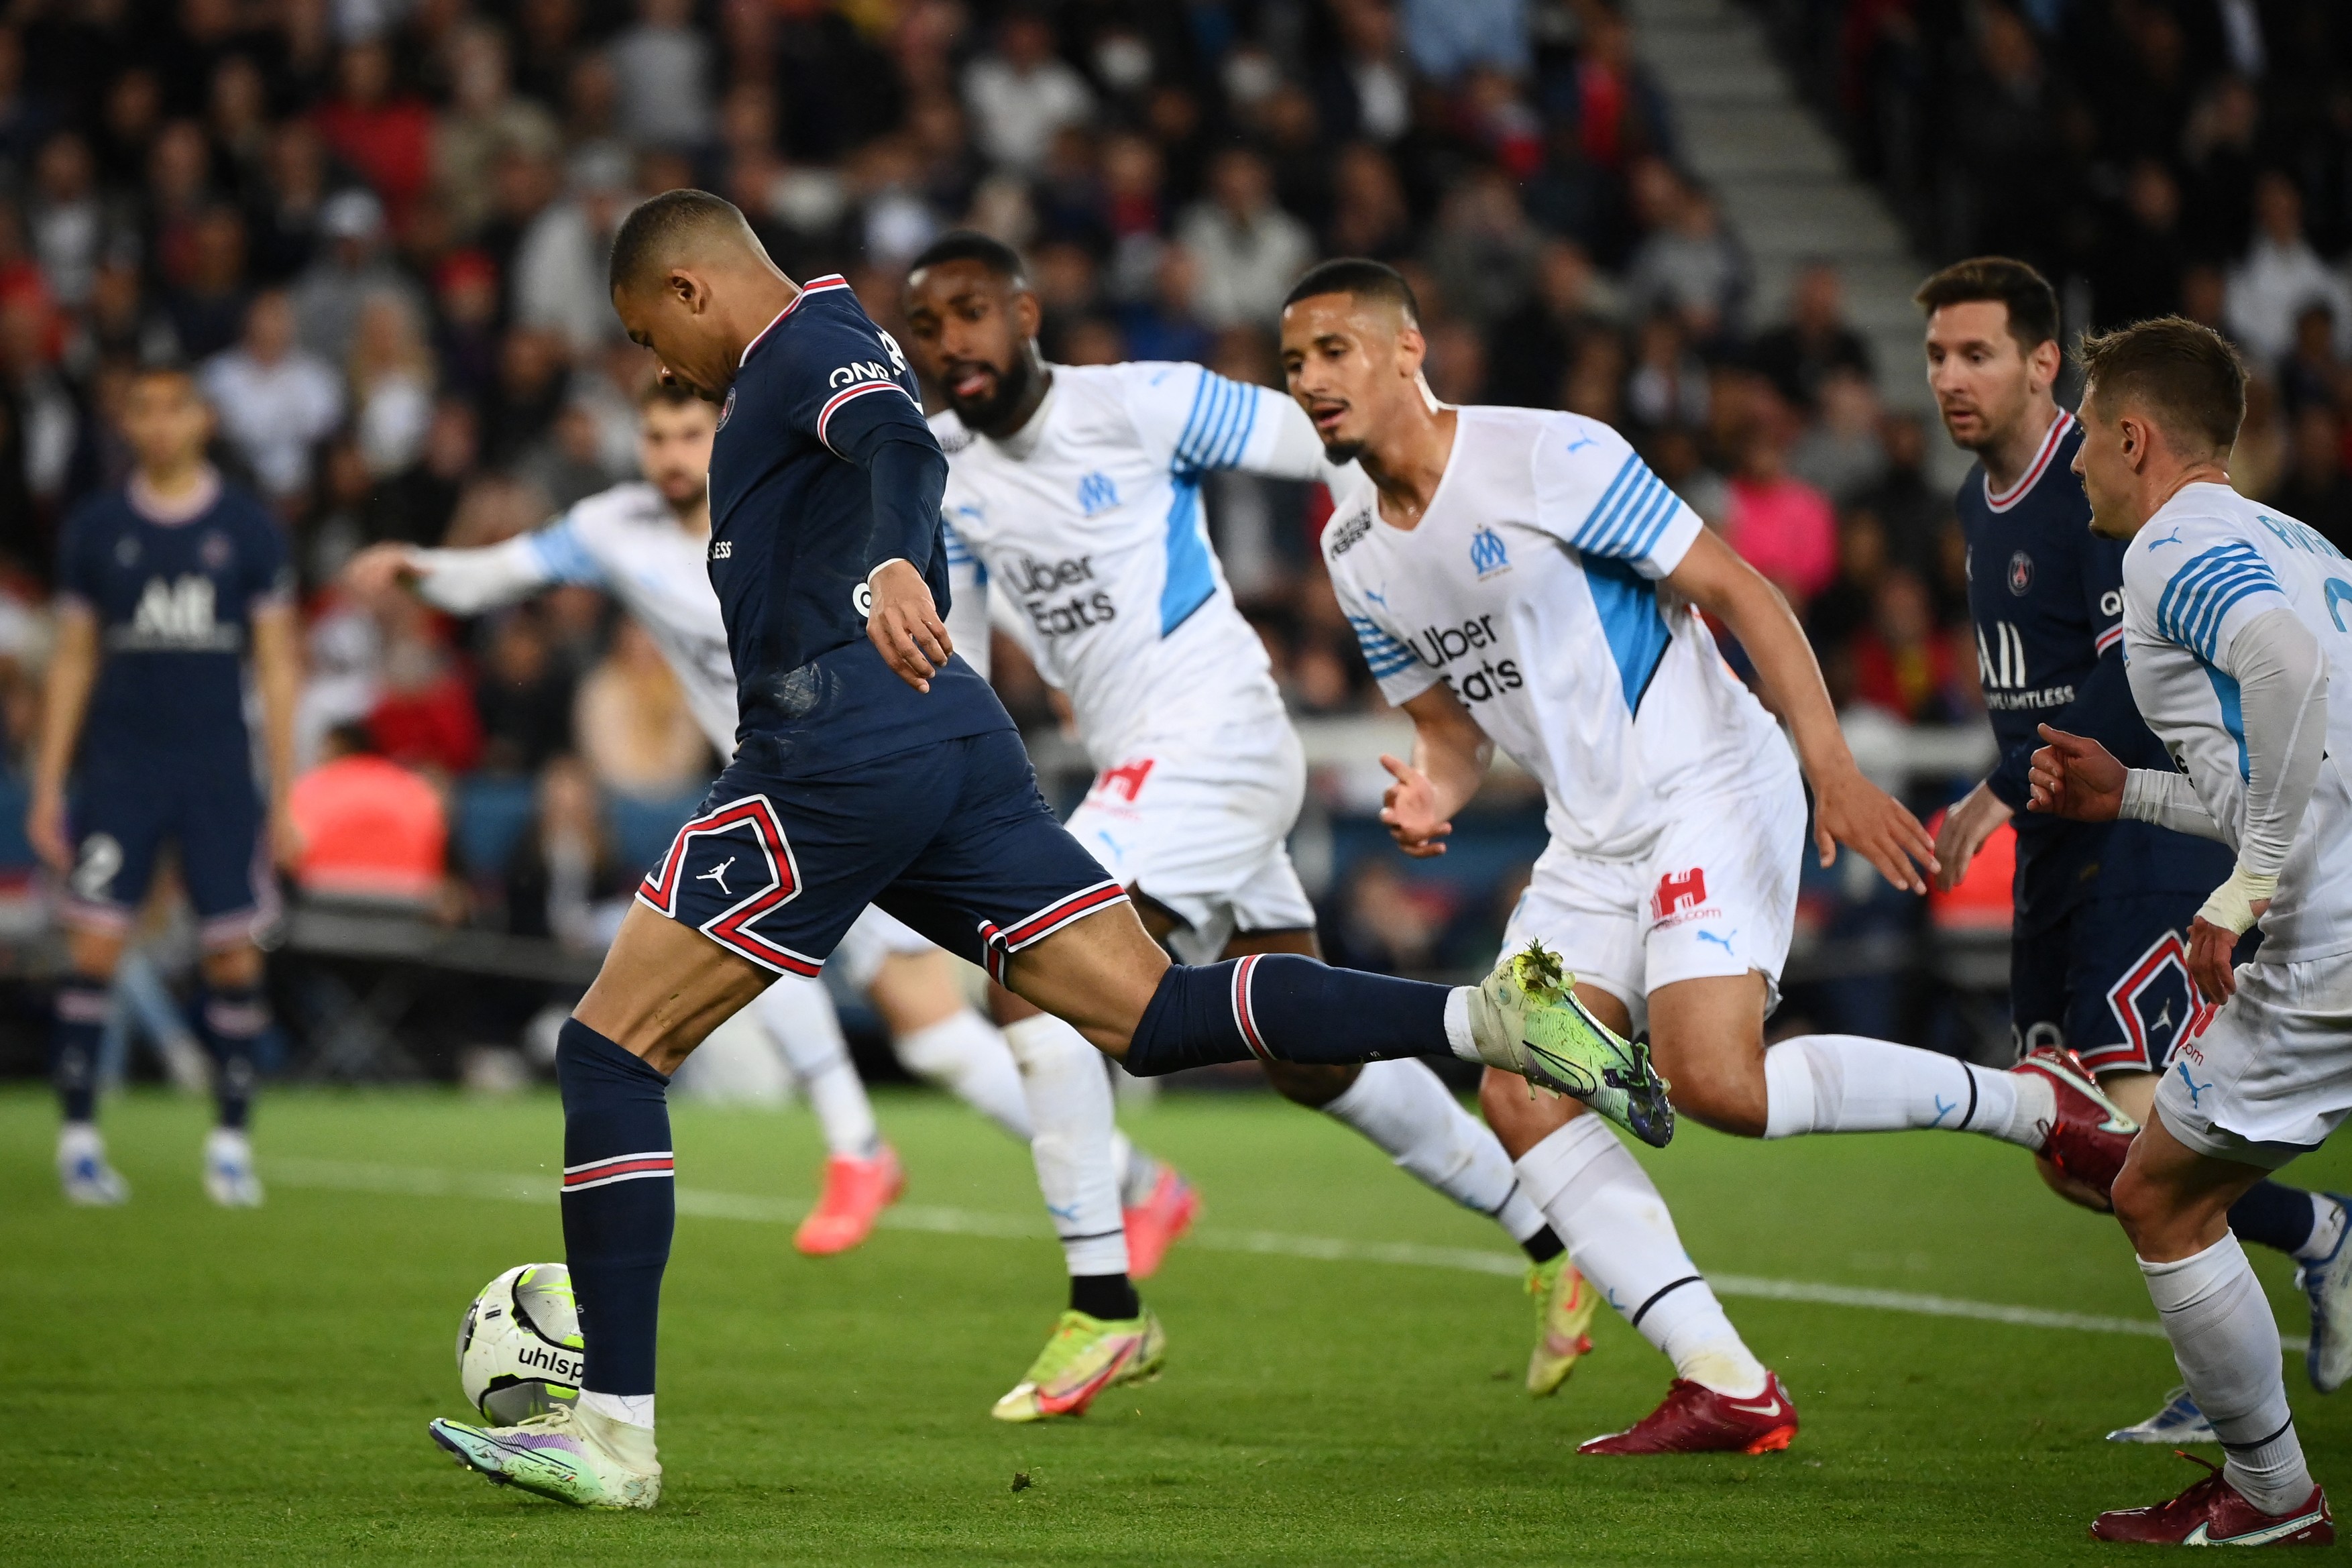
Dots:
{"x": 2045, "y": 362}
{"x": 1027, "y": 315}
{"x": 686, "y": 289}
{"x": 1412, "y": 349}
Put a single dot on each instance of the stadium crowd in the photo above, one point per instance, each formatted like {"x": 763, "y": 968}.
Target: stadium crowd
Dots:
{"x": 378, "y": 227}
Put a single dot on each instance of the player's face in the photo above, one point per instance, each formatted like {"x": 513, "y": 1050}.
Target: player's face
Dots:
{"x": 675, "y": 320}
{"x": 1350, "y": 364}
{"x": 2104, "y": 463}
{"x": 971, "y": 331}
{"x": 674, "y": 450}
{"x": 165, "y": 421}
{"x": 1982, "y": 379}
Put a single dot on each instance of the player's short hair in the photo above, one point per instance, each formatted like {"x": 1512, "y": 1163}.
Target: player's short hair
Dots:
{"x": 970, "y": 245}
{"x": 1359, "y": 277}
{"x": 658, "y": 229}
{"x": 2184, "y": 376}
{"x": 2001, "y": 279}
{"x": 660, "y": 393}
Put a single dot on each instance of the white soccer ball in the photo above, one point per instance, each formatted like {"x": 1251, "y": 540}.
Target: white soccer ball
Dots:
{"x": 519, "y": 1350}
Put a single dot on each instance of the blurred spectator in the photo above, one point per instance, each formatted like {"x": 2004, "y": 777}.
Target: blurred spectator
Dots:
{"x": 1529, "y": 350}
{"x": 559, "y": 262}
{"x": 1021, "y": 92}
{"x": 1362, "y": 89}
{"x": 1446, "y": 37}
{"x": 1911, "y": 509}
{"x": 275, "y": 400}
{"x": 1815, "y": 340}
{"x": 1369, "y": 213}
{"x": 524, "y": 697}
{"x": 484, "y": 118}
{"x": 391, "y": 383}
{"x": 2316, "y": 489}
{"x": 1843, "y": 452}
{"x": 1669, "y": 385}
{"x": 1385, "y": 924}
{"x": 1687, "y": 263}
{"x": 424, "y": 714}
{"x": 1166, "y": 326}
{"x": 415, "y": 505}
{"x": 1846, "y": 605}
{"x": 2280, "y": 275}
{"x": 1780, "y": 525}
{"x": 1904, "y": 663}
{"x": 371, "y": 829}
{"x": 564, "y": 879}
{"x": 68, "y": 222}
{"x": 2143, "y": 250}
{"x": 378, "y": 130}
{"x": 335, "y": 287}
{"x": 207, "y": 306}
{"x": 664, "y": 69}
{"x": 1484, "y": 252}
{"x": 1250, "y": 251}
{"x": 633, "y": 726}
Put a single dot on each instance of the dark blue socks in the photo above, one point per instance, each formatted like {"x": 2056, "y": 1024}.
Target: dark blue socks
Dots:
{"x": 1280, "y": 1007}
{"x": 233, "y": 1018}
{"x": 2274, "y": 1215}
{"x": 620, "y": 1204}
{"x": 80, "y": 1019}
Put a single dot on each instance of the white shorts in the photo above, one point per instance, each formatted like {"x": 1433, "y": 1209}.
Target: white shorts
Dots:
{"x": 2270, "y": 1077}
{"x": 1200, "y": 829}
{"x": 1715, "y": 894}
{"x": 873, "y": 938}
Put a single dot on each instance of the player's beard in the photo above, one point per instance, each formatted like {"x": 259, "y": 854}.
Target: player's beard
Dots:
{"x": 689, "y": 504}
{"x": 1343, "y": 452}
{"x": 1013, "y": 383}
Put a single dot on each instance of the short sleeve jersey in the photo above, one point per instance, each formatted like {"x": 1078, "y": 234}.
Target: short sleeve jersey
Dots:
{"x": 2045, "y": 595}
{"x": 174, "y": 596}
{"x": 1531, "y": 589}
{"x": 2208, "y": 562}
{"x": 1091, "y": 523}
{"x": 793, "y": 537}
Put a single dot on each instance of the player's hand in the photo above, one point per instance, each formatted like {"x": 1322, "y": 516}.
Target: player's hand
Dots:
{"x": 379, "y": 569}
{"x": 2073, "y": 777}
{"x": 1966, "y": 826}
{"x": 1849, "y": 809}
{"x": 905, "y": 624}
{"x": 1409, "y": 809}
{"x": 45, "y": 824}
{"x": 286, "y": 840}
{"x": 2211, "y": 949}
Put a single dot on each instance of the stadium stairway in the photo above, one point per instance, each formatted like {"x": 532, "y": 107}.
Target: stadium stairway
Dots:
{"x": 1785, "y": 187}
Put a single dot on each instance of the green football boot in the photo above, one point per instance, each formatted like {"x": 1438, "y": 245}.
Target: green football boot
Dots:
{"x": 572, "y": 1456}
{"x": 1526, "y": 1019}
{"x": 1087, "y": 1355}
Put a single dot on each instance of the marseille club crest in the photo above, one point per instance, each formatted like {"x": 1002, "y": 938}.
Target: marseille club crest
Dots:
{"x": 1488, "y": 555}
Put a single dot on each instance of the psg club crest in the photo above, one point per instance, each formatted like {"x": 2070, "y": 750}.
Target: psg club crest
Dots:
{"x": 727, "y": 409}
{"x": 2021, "y": 574}
{"x": 214, "y": 550}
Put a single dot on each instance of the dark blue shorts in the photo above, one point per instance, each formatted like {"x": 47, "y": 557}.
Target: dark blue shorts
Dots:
{"x": 120, "y": 815}
{"x": 953, "y": 839}
{"x": 2109, "y": 981}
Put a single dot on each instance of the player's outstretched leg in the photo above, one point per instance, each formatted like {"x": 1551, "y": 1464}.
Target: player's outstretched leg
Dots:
{"x": 2173, "y": 1201}
{"x": 862, "y": 1174}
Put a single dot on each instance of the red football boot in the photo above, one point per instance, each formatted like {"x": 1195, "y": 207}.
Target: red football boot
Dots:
{"x": 2090, "y": 1135}
{"x": 1696, "y": 1419}
{"x": 856, "y": 1192}
{"x": 2213, "y": 1512}
{"x": 1158, "y": 1222}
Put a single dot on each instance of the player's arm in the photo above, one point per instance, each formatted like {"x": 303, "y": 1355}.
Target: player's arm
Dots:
{"x": 1195, "y": 420}
{"x": 278, "y": 680}
{"x": 1847, "y": 807}
{"x": 908, "y": 479}
{"x": 467, "y": 581}
{"x": 73, "y": 672}
{"x": 2075, "y": 777}
{"x": 1450, "y": 754}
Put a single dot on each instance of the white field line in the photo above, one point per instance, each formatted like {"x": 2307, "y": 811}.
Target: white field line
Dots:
{"x": 412, "y": 1180}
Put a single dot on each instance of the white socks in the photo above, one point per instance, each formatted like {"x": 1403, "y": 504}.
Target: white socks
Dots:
{"x": 1620, "y": 1235}
{"x": 1409, "y": 1112}
{"x": 1844, "y": 1083}
{"x": 2226, "y": 1343}
{"x": 1078, "y": 1170}
{"x": 632, "y": 1409}
{"x": 2327, "y": 1221}
{"x": 964, "y": 1055}
{"x": 798, "y": 1015}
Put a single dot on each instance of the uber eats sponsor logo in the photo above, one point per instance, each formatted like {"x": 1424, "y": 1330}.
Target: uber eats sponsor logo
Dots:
{"x": 1438, "y": 646}
{"x": 1056, "y": 595}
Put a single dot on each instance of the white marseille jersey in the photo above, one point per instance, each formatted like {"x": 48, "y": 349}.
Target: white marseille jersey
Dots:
{"x": 626, "y": 542}
{"x": 1530, "y": 589}
{"x": 2208, "y": 562}
{"x": 1090, "y": 523}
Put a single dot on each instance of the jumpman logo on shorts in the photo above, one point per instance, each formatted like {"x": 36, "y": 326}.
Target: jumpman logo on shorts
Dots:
{"x": 717, "y": 874}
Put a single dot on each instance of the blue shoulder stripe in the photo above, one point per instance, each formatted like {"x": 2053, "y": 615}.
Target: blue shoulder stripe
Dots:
{"x": 2202, "y": 592}
{"x": 561, "y": 555}
{"x": 1383, "y": 652}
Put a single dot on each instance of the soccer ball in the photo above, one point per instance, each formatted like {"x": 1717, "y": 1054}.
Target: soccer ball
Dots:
{"x": 519, "y": 1350}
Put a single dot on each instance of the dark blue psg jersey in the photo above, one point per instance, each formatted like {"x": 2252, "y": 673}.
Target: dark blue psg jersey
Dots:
{"x": 2046, "y": 597}
{"x": 174, "y": 595}
{"x": 796, "y": 526}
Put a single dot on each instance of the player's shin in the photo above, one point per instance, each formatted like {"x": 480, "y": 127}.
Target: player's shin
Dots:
{"x": 1407, "y": 1111}
{"x": 2284, "y": 1218}
{"x": 1846, "y": 1083}
{"x": 1620, "y": 1235}
{"x": 798, "y": 1016}
{"x": 1279, "y": 1007}
{"x": 234, "y": 1017}
{"x": 619, "y": 1209}
{"x": 963, "y": 1054}
{"x": 79, "y": 1018}
{"x": 2226, "y": 1340}
{"x": 1069, "y": 1101}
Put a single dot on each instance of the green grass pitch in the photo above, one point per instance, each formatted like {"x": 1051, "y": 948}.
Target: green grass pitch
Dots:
{"x": 185, "y": 1385}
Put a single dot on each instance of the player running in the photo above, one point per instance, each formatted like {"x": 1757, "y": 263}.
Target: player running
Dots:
{"x": 2234, "y": 631}
{"x": 2099, "y": 958}
{"x": 1521, "y": 578}
{"x": 644, "y": 541}
{"x": 873, "y": 765}
{"x": 165, "y": 586}
{"x": 1080, "y": 488}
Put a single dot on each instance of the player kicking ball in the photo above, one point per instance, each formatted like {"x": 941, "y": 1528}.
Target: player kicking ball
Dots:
{"x": 2099, "y": 958}
{"x": 165, "y": 587}
{"x": 1080, "y": 488}
{"x": 876, "y": 766}
{"x": 1521, "y": 578}
{"x": 644, "y": 542}
{"x": 2234, "y": 633}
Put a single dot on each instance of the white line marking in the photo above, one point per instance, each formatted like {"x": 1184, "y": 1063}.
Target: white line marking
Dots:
{"x": 412, "y": 1180}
